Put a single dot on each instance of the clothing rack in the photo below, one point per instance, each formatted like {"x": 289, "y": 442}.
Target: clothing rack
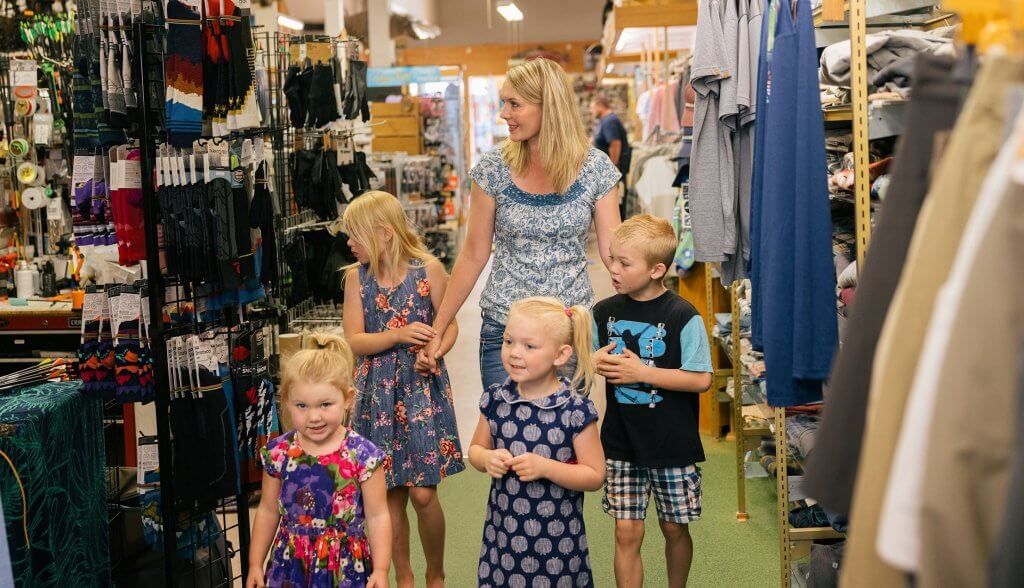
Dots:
{"x": 794, "y": 543}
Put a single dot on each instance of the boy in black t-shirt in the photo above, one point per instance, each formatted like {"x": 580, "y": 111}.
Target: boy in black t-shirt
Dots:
{"x": 653, "y": 351}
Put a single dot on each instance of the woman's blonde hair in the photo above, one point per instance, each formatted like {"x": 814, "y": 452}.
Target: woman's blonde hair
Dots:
{"x": 563, "y": 142}
{"x": 568, "y": 326}
{"x": 327, "y": 360}
{"x": 373, "y": 211}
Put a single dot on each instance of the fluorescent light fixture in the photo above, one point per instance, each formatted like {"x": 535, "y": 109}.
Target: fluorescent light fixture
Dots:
{"x": 510, "y": 12}
{"x": 425, "y": 31}
{"x": 290, "y": 23}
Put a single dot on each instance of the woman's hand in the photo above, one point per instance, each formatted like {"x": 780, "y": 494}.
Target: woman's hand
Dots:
{"x": 431, "y": 352}
{"x": 415, "y": 334}
{"x": 256, "y": 579}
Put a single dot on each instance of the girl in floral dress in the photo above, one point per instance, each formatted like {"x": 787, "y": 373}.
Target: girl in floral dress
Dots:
{"x": 537, "y": 438}
{"x": 403, "y": 406}
{"x": 324, "y": 500}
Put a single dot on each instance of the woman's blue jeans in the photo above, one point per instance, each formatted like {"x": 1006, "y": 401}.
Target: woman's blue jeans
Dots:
{"x": 491, "y": 335}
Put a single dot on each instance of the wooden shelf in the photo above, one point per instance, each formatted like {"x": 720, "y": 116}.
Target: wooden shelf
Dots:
{"x": 838, "y": 114}
{"x": 814, "y": 534}
{"x": 674, "y": 13}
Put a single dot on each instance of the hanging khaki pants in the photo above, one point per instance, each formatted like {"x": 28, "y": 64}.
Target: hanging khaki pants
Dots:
{"x": 972, "y": 147}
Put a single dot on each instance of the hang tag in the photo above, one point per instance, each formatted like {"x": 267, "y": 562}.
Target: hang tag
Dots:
{"x": 54, "y": 209}
{"x": 42, "y": 129}
{"x": 132, "y": 174}
{"x": 83, "y": 170}
{"x": 159, "y": 163}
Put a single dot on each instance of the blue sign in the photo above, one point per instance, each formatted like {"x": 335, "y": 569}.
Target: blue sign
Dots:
{"x": 377, "y": 77}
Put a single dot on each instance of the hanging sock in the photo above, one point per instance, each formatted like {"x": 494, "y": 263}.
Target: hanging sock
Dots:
{"x": 183, "y": 72}
{"x": 128, "y": 216}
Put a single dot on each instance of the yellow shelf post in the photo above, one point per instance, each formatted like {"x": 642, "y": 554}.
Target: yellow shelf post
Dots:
{"x": 737, "y": 406}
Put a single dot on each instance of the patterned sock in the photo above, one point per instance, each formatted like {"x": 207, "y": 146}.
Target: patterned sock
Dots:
{"x": 183, "y": 72}
{"x": 239, "y": 56}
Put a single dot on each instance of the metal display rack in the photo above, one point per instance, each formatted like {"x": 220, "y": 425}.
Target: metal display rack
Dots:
{"x": 225, "y": 546}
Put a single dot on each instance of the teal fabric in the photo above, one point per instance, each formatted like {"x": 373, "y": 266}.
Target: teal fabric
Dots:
{"x": 54, "y": 439}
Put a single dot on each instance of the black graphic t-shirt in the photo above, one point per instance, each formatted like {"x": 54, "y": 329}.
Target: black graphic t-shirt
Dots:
{"x": 644, "y": 425}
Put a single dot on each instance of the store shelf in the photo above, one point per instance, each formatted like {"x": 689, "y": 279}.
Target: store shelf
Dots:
{"x": 814, "y": 534}
{"x": 885, "y": 119}
{"x": 880, "y": 8}
{"x": 634, "y": 29}
{"x": 838, "y": 113}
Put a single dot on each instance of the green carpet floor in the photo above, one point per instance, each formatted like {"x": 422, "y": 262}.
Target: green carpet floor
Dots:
{"x": 727, "y": 553}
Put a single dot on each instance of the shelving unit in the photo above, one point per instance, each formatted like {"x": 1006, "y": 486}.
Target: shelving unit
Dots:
{"x": 869, "y": 122}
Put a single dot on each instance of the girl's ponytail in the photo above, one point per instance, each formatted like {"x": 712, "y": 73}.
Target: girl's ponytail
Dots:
{"x": 582, "y": 340}
{"x": 333, "y": 343}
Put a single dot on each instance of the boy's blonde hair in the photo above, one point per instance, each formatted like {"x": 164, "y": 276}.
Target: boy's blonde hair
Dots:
{"x": 568, "y": 326}
{"x": 328, "y": 361}
{"x": 373, "y": 211}
{"x": 563, "y": 142}
{"x": 650, "y": 236}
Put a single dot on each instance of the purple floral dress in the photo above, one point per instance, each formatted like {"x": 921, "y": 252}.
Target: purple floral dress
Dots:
{"x": 321, "y": 540}
{"x": 409, "y": 416}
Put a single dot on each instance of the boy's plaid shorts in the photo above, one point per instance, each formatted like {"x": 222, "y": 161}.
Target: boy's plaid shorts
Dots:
{"x": 628, "y": 487}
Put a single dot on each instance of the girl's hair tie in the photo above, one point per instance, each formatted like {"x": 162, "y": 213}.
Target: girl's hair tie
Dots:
{"x": 568, "y": 312}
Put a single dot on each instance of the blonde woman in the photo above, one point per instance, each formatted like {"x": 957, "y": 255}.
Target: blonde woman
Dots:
{"x": 535, "y": 197}
{"x": 389, "y": 305}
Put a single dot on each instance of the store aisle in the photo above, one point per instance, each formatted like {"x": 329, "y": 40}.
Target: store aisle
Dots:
{"x": 727, "y": 553}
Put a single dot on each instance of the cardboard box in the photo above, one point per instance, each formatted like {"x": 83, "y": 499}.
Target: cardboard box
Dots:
{"x": 410, "y": 144}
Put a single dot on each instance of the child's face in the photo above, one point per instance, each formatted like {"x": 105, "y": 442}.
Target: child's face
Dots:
{"x": 630, "y": 270}
{"x": 361, "y": 252}
{"x": 317, "y": 409}
{"x": 528, "y": 352}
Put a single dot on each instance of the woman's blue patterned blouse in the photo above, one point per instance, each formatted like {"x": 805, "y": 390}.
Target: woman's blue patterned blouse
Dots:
{"x": 541, "y": 239}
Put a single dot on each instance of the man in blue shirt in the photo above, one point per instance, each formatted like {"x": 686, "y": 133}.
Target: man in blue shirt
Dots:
{"x": 610, "y": 135}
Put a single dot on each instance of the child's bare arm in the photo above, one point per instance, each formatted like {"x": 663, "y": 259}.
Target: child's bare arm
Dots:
{"x": 363, "y": 343}
{"x": 378, "y": 522}
{"x": 264, "y": 527}
{"x": 482, "y": 454}
{"x": 586, "y": 474}
{"x": 629, "y": 369}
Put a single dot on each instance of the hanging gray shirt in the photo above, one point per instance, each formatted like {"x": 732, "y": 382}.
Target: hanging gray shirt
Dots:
{"x": 711, "y": 160}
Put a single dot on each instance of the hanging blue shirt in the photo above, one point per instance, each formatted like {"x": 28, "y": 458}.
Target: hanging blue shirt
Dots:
{"x": 795, "y": 310}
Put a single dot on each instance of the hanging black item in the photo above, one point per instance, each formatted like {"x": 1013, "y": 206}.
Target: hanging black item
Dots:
{"x": 355, "y": 91}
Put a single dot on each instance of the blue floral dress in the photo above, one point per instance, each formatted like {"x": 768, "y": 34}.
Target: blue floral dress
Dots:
{"x": 534, "y": 535}
{"x": 321, "y": 541}
{"x": 409, "y": 416}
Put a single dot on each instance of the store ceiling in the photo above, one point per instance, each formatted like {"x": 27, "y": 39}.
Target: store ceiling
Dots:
{"x": 633, "y": 41}
{"x": 464, "y": 22}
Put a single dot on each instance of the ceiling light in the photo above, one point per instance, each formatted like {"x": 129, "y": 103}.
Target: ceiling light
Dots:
{"x": 425, "y": 31}
{"x": 510, "y": 12}
{"x": 290, "y": 23}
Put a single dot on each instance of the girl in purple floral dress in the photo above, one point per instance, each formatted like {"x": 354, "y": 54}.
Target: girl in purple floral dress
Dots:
{"x": 324, "y": 501}
{"x": 403, "y": 407}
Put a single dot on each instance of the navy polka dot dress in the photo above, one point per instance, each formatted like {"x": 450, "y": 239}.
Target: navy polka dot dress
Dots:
{"x": 534, "y": 536}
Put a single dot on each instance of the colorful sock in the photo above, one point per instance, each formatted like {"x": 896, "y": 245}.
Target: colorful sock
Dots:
{"x": 183, "y": 72}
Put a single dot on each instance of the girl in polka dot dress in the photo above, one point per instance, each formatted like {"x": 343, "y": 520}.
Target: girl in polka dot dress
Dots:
{"x": 537, "y": 438}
